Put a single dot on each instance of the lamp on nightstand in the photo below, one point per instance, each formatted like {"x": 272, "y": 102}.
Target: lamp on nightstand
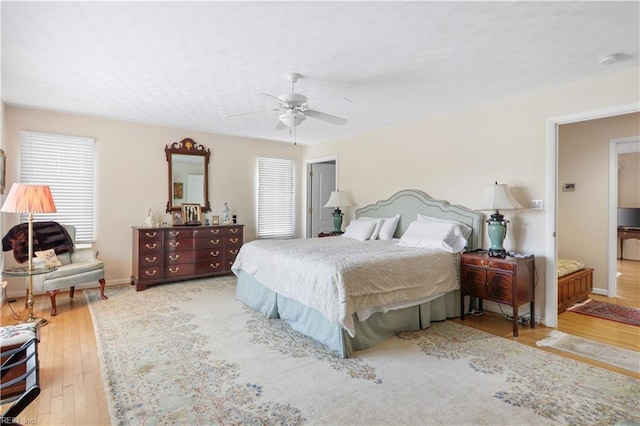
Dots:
{"x": 499, "y": 198}
{"x": 338, "y": 199}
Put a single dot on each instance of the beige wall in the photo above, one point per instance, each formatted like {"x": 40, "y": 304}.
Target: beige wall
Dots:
{"x": 131, "y": 176}
{"x": 583, "y": 159}
{"x": 455, "y": 156}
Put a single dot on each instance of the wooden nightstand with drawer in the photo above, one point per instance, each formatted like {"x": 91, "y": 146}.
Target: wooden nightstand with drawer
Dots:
{"x": 508, "y": 280}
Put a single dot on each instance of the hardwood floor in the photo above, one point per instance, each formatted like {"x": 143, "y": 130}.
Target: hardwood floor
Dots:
{"x": 73, "y": 392}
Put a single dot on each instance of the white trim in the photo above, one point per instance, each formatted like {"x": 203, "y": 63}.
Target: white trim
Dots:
{"x": 551, "y": 280}
{"x": 615, "y": 146}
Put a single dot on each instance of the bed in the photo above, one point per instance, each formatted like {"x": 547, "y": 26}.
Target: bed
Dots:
{"x": 575, "y": 282}
{"x": 350, "y": 319}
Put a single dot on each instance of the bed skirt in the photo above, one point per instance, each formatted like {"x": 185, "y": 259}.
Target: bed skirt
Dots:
{"x": 375, "y": 329}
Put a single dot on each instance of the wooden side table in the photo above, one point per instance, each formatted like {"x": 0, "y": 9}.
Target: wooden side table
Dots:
{"x": 507, "y": 280}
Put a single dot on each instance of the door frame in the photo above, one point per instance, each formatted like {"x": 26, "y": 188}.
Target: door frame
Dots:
{"x": 614, "y": 150}
{"x": 307, "y": 187}
{"x": 551, "y": 194}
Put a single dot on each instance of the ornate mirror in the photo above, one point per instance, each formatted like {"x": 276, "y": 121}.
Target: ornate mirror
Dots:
{"x": 188, "y": 175}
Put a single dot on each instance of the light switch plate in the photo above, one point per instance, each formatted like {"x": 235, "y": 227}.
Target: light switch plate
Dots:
{"x": 536, "y": 204}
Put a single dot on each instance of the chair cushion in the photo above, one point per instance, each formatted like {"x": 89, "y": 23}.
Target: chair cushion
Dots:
{"x": 13, "y": 335}
{"x": 74, "y": 269}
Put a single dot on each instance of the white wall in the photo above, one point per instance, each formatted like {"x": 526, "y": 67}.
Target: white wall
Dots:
{"x": 132, "y": 176}
{"x": 456, "y": 155}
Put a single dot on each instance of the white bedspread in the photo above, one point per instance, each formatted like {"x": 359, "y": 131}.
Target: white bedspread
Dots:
{"x": 339, "y": 277}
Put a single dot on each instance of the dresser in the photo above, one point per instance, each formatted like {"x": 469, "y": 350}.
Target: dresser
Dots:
{"x": 508, "y": 280}
{"x": 162, "y": 255}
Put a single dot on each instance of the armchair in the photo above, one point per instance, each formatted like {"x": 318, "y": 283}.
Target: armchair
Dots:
{"x": 78, "y": 267}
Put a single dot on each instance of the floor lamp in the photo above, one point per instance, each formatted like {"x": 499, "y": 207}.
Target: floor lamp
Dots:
{"x": 27, "y": 198}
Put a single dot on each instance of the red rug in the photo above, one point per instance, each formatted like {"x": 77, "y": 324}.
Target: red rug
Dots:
{"x": 609, "y": 311}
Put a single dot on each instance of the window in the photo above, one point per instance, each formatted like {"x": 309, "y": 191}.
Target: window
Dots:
{"x": 275, "y": 198}
{"x": 66, "y": 164}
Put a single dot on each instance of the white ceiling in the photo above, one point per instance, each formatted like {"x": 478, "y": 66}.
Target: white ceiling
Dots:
{"x": 189, "y": 65}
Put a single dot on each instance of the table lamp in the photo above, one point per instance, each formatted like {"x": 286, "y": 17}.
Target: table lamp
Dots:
{"x": 338, "y": 199}
{"x": 499, "y": 198}
{"x": 27, "y": 198}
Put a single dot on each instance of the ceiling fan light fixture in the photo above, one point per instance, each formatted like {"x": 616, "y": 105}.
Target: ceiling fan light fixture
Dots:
{"x": 292, "y": 119}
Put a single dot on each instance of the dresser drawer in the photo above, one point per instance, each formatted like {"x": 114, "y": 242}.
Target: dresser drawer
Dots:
{"x": 151, "y": 234}
{"x": 233, "y": 230}
{"x": 209, "y": 242}
{"x": 488, "y": 263}
{"x": 172, "y": 244}
{"x": 150, "y": 259}
{"x": 149, "y": 274}
{"x": 212, "y": 266}
{"x": 208, "y": 232}
{"x": 178, "y": 257}
{"x": 178, "y": 270}
{"x": 178, "y": 234}
{"x": 234, "y": 241}
{"x": 208, "y": 255}
{"x": 150, "y": 246}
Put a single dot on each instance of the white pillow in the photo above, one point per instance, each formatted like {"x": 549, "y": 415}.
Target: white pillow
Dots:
{"x": 49, "y": 257}
{"x": 439, "y": 235}
{"x": 389, "y": 226}
{"x": 464, "y": 228}
{"x": 376, "y": 230}
{"x": 359, "y": 229}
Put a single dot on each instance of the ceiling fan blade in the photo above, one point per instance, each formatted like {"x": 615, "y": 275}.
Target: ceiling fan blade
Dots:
{"x": 339, "y": 121}
{"x": 270, "y": 97}
{"x": 248, "y": 113}
{"x": 280, "y": 125}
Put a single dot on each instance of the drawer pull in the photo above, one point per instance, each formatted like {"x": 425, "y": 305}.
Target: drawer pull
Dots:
{"x": 151, "y": 246}
{"x": 214, "y": 253}
{"x": 233, "y": 240}
{"x": 233, "y": 251}
{"x": 233, "y": 230}
{"x": 174, "y": 244}
{"x": 174, "y": 271}
{"x": 215, "y": 231}
{"x": 214, "y": 266}
{"x": 490, "y": 264}
{"x": 150, "y": 259}
{"x": 174, "y": 257}
{"x": 150, "y": 273}
{"x": 215, "y": 241}
{"x": 174, "y": 233}
{"x": 150, "y": 235}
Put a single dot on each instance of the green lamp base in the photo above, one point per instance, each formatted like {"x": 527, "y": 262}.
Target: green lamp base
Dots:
{"x": 337, "y": 220}
{"x": 497, "y": 231}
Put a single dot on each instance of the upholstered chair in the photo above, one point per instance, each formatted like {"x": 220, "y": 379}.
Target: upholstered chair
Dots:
{"x": 82, "y": 266}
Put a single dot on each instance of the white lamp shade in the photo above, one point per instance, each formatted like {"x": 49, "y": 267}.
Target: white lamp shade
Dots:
{"x": 499, "y": 198}
{"x": 338, "y": 199}
{"x": 26, "y": 198}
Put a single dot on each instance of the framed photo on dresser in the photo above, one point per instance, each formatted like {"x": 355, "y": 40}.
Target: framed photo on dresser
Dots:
{"x": 191, "y": 214}
{"x": 177, "y": 218}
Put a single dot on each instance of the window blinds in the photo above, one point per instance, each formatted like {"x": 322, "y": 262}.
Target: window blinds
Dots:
{"x": 66, "y": 164}
{"x": 275, "y": 198}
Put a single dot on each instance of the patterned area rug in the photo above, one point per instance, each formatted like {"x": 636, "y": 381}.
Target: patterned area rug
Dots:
{"x": 189, "y": 353}
{"x": 619, "y": 357}
{"x": 609, "y": 311}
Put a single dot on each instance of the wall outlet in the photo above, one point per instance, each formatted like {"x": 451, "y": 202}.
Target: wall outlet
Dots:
{"x": 536, "y": 204}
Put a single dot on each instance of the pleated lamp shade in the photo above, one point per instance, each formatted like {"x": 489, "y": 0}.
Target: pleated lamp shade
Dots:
{"x": 27, "y": 198}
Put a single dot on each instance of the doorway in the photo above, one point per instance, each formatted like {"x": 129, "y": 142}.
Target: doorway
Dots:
{"x": 321, "y": 181}
{"x": 553, "y": 187}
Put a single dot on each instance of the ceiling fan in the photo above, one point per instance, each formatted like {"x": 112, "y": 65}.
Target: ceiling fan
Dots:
{"x": 294, "y": 108}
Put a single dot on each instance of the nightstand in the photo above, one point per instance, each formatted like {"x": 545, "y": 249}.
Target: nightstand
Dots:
{"x": 506, "y": 280}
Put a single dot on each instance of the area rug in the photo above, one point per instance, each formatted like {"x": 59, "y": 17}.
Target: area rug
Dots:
{"x": 189, "y": 353}
{"x": 609, "y": 311}
{"x": 619, "y": 357}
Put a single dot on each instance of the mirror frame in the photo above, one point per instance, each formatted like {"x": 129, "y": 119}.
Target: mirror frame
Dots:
{"x": 188, "y": 146}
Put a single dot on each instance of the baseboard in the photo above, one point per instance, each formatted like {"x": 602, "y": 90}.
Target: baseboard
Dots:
{"x": 15, "y": 294}
{"x": 601, "y": 292}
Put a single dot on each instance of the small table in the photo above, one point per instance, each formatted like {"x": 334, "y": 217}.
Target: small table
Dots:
{"x": 626, "y": 234}
{"x": 24, "y": 271}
